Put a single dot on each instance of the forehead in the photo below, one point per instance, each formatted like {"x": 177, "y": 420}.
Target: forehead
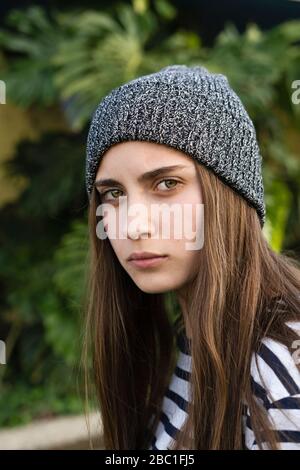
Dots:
{"x": 138, "y": 156}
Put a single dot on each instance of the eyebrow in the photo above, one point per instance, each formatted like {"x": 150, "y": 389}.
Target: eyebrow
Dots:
{"x": 142, "y": 178}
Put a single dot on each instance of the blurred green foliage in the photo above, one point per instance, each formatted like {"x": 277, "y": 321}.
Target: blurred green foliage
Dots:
{"x": 72, "y": 60}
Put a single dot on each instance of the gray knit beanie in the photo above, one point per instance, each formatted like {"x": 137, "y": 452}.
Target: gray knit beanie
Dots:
{"x": 190, "y": 109}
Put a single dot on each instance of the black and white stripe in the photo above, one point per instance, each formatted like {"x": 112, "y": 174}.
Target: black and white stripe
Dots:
{"x": 277, "y": 389}
{"x": 173, "y": 413}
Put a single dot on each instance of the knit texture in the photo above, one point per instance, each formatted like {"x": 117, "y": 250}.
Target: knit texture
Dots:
{"x": 190, "y": 109}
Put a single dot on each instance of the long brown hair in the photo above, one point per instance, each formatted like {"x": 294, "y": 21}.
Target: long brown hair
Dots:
{"x": 243, "y": 292}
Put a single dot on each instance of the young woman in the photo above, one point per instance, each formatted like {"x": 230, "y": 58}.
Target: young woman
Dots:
{"x": 226, "y": 373}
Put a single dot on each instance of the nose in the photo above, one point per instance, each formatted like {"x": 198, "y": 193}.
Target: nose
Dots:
{"x": 139, "y": 224}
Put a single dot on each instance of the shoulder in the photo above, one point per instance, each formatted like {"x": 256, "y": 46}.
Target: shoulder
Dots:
{"x": 275, "y": 369}
{"x": 275, "y": 381}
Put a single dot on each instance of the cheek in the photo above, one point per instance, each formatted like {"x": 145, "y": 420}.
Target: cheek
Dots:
{"x": 191, "y": 209}
{"x": 186, "y": 256}
{"x": 188, "y": 264}
{"x": 117, "y": 247}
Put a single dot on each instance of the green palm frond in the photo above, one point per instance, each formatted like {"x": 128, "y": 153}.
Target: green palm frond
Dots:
{"x": 29, "y": 78}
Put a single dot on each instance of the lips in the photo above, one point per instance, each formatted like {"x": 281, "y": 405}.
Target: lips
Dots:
{"x": 144, "y": 255}
{"x": 147, "y": 261}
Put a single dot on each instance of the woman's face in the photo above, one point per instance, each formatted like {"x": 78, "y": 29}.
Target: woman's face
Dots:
{"x": 146, "y": 225}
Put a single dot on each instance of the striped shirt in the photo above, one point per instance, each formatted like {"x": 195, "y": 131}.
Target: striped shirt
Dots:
{"x": 280, "y": 375}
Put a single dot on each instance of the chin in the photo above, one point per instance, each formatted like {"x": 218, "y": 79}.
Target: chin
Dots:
{"x": 152, "y": 287}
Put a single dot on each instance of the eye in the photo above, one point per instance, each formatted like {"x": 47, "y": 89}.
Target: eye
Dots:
{"x": 168, "y": 181}
{"x": 103, "y": 195}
